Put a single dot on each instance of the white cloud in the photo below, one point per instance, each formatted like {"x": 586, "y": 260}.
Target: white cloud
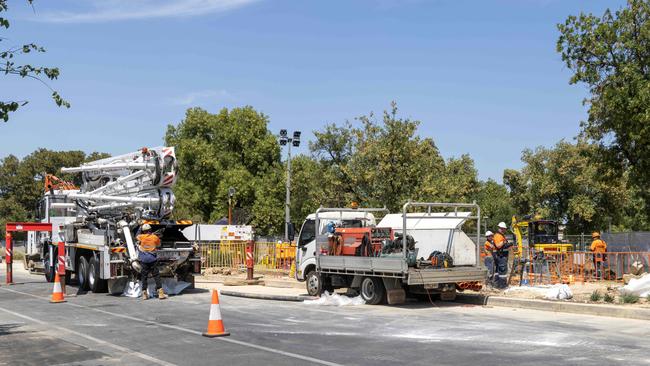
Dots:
{"x": 95, "y": 11}
{"x": 195, "y": 97}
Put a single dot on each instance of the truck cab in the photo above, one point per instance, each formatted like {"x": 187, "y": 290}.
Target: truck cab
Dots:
{"x": 56, "y": 209}
{"x": 306, "y": 248}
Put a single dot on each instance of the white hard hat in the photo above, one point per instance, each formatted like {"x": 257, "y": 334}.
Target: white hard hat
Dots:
{"x": 489, "y": 233}
{"x": 502, "y": 225}
{"x": 146, "y": 227}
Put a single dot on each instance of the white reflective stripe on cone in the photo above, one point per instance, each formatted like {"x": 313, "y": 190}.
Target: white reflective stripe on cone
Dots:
{"x": 57, "y": 287}
{"x": 215, "y": 312}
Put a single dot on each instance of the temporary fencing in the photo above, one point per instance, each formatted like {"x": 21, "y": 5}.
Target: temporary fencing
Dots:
{"x": 232, "y": 254}
{"x": 537, "y": 267}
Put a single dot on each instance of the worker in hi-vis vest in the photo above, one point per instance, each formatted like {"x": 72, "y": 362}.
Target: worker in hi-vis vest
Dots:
{"x": 148, "y": 244}
{"x": 598, "y": 248}
{"x": 501, "y": 245}
{"x": 486, "y": 253}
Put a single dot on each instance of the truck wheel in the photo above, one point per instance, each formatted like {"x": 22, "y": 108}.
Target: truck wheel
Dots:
{"x": 82, "y": 273}
{"x": 372, "y": 290}
{"x": 48, "y": 268}
{"x": 95, "y": 283}
{"x": 313, "y": 283}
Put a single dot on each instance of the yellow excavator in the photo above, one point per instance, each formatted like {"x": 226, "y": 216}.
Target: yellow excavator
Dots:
{"x": 536, "y": 233}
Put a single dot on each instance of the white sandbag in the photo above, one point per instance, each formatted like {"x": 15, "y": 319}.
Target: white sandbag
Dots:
{"x": 559, "y": 292}
{"x": 533, "y": 290}
{"x": 335, "y": 300}
{"x": 170, "y": 286}
{"x": 638, "y": 286}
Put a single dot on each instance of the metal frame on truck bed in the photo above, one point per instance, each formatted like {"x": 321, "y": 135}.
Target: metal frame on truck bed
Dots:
{"x": 395, "y": 274}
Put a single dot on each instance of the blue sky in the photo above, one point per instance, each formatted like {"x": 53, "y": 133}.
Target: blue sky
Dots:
{"x": 482, "y": 76}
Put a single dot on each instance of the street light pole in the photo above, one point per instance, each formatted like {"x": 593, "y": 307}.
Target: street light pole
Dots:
{"x": 295, "y": 141}
{"x": 287, "y": 202}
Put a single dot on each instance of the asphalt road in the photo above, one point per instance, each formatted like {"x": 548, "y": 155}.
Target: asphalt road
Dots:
{"x": 97, "y": 329}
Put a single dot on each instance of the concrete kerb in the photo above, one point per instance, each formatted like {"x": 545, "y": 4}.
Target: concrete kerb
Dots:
{"x": 558, "y": 306}
{"x": 239, "y": 281}
{"x": 250, "y": 295}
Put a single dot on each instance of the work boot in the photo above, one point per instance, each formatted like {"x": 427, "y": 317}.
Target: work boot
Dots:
{"x": 161, "y": 294}
{"x": 145, "y": 295}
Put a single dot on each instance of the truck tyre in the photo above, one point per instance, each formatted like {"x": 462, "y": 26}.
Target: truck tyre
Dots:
{"x": 48, "y": 268}
{"x": 95, "y": 283}
{"x": 373, "y": 290}
{"x": 82, "y": 273}
{"x": 313, "y": 283}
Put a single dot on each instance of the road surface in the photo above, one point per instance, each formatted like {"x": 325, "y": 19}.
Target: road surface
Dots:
{"x": 97, "y": 329}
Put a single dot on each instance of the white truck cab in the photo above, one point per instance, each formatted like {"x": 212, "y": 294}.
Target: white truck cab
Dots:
{"x": 306, "y": 248}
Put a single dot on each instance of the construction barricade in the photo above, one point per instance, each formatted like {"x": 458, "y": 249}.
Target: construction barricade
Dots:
{"x": 536, "y": 267}
{"x": 232, "y": 254}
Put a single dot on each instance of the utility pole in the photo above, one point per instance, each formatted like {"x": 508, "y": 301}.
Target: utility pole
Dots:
{"x": 295, "y": 141}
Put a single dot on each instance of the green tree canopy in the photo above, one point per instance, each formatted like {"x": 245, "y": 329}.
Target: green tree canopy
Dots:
{"x": 611, "y": 55}
{"x": 569, "y": 184}
{"x": 495, "y": 202}
{"x": 386, "y": 162}
{"x": 21, "y": 181}
{"x": 232, "y": 148}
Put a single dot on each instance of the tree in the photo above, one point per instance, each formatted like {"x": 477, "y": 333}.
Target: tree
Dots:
{"x": 21, "y": 181}
{"x": 611, "y": 55}
{"x": 386, "y": 163}
{"x": 232, "y": 148}
{"x": 568, "y": 183}
{"x": 310, "y": 187}
{"x": 495, "y": 202}
{"x": 8, "y": 66}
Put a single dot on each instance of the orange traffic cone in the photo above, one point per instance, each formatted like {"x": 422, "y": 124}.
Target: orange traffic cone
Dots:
{"x": 57, "y": 292}
{"x": 215, "y": 324}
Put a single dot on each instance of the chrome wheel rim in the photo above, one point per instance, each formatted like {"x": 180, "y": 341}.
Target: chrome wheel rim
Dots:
{"x": 313, "y": 284}
{"x": 368, "y": 289}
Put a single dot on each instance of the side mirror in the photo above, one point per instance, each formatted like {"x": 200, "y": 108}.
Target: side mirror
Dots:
{"x": 292, "y": 231}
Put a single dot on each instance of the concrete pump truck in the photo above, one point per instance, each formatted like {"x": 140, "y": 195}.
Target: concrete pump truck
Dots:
{"x": 99, "y": 220}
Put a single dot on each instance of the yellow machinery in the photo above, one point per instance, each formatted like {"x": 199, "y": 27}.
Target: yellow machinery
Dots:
{"x": 538, "y": 234}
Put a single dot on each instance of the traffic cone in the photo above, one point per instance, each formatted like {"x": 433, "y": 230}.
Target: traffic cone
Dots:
{"x": 215, "y": 324}
{"x": 57, "y": 292}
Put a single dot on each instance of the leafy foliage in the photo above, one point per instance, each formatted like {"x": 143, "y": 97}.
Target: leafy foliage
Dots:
{"x": 611, "y": 55}
{"x": 570, "y": 184}
{"x": 21, "y": 181}
{"x": 608, "y": 298}
{"x": 386, "y": 163}
{"x": 9, "y": 66}
{"x": 495, "y": 202}
{"x": 232, "y": 148}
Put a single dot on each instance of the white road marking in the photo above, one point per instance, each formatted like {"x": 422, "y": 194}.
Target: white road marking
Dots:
{"x": 96, "y": 340}
{"x": 186, "y": 330}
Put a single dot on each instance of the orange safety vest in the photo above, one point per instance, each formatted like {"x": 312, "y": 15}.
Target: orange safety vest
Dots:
{"x": 148, "y": 242}
{"x": 599, "y": 247}
{"x": 499, "y": 240}
{"x": 488, "y": 247}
